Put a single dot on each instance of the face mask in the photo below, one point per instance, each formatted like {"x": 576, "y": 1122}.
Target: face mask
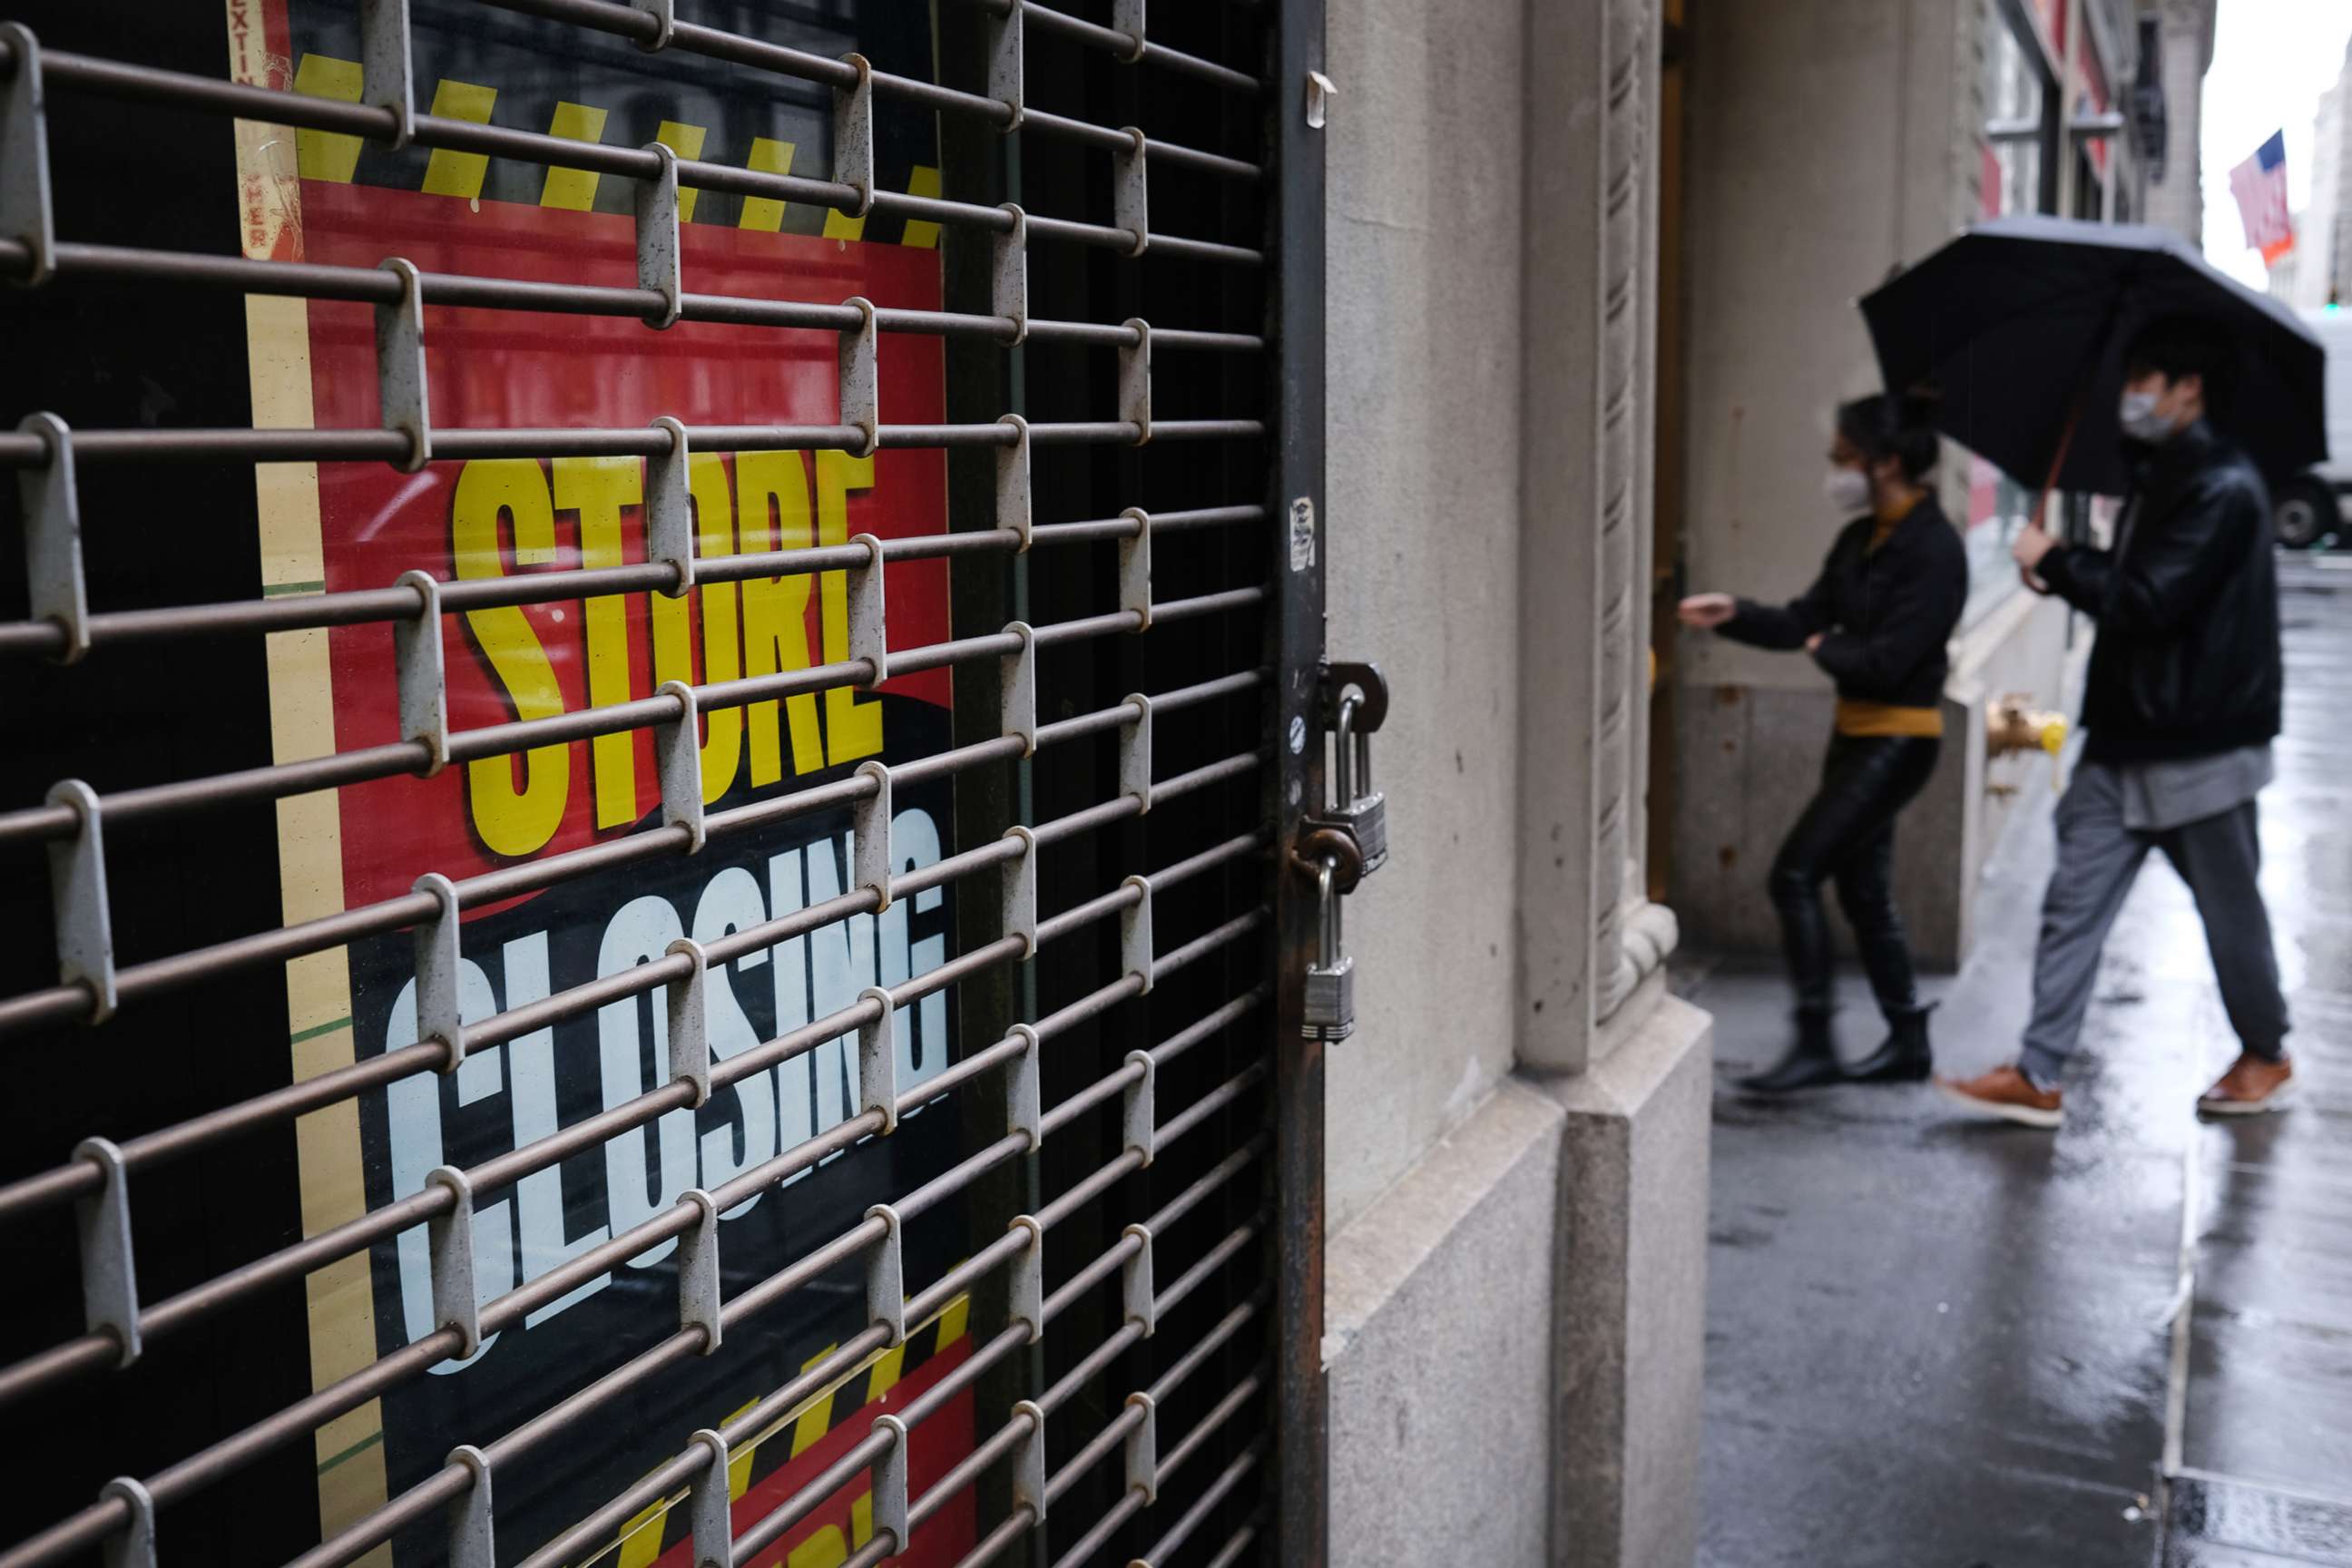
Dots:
{"x": 1848, "y": 490}
{"x": 2140, "y": 421}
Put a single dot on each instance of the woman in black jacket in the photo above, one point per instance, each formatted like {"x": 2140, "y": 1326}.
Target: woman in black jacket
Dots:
{"x": 1876, "y": 621}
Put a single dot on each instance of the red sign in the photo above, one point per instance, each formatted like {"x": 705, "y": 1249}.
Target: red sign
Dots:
{"x": 511, "y": 369}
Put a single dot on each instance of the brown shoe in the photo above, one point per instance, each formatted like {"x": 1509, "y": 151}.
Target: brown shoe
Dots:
{"x": 2005, "y": 1092}
{"x": 2253, "y": 1084}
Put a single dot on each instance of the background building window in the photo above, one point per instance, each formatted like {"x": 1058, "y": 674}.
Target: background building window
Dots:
{"x": 2011, "y": 149}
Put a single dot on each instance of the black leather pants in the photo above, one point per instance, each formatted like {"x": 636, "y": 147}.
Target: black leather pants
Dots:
{"x": 1847, "y": 832}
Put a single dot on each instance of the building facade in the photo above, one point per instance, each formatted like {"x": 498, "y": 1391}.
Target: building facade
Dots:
{"x": 2177, "y": 45}
{"x": 1833, "y": 142}
{"x": 2321, "y": 269}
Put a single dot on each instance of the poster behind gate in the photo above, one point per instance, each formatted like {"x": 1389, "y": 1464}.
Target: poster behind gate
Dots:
{"x": 334, "y": 527}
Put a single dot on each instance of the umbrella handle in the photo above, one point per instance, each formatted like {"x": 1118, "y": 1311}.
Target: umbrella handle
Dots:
{"x": 2050, "y": 483}
{"x": 2058, "y": 461}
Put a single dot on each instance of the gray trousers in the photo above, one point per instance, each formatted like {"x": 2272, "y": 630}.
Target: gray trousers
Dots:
{"x": 2219, "y": 857}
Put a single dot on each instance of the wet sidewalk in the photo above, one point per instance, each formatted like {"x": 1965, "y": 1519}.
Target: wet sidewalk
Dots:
{"x": 1940, "y": 1342}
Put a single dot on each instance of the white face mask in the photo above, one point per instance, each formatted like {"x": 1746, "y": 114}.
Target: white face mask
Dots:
{"x": 2140, "y": 421}
{"x": 1848, "y": 490}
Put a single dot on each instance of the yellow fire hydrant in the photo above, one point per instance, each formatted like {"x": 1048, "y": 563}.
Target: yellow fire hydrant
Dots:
{"x": 2011, "y": 725}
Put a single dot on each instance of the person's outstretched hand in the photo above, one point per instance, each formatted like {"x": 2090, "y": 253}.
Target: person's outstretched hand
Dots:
{"x": 1707, "y": 610}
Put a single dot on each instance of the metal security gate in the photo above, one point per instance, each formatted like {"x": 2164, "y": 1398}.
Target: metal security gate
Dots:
{"x": 755, "y": 578}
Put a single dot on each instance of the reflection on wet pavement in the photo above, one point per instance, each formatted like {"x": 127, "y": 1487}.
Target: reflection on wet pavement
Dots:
{"x": 2266, "y": 1430}
{"x": 1939, "y": 1341}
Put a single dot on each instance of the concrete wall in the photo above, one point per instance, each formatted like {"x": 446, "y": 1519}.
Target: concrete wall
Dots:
{"x": 1513, "y": 1332}
{"x": 1830, "y": 140}
{"x": 1512, "y": 1352}
{"x": 1632, "y": 1294}
{"x": 1440, "y": 1322}
{"x": 1821, "y": 154}
{"x": 1423, "y": 276}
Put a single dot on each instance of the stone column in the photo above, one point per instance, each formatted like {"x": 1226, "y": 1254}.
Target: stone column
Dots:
{"x": 1626, "y": 1064}
{"x": 1588, "y": 934}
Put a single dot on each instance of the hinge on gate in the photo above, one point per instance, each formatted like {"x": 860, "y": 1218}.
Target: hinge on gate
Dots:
{"x": 1319, "y": 92}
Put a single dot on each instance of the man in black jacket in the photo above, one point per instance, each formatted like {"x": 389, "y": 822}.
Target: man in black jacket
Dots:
{"x": 2181, "y": 708}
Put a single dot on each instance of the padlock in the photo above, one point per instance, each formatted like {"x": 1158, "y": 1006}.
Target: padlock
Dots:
{"x": 1329, "y": 1010}
{"x": 1362, "y": 811}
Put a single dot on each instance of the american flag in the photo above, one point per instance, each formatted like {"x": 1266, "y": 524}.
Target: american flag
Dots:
{"x": 2260, "y": 185}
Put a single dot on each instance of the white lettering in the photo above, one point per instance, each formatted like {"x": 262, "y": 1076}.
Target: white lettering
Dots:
{"x": 795, "y": 1088}
{"x": 921, "y": 1039}
{"x": 412, "y": 1106}
{"x": 731, "y": 903}
{"x": 539, "y": 1197}
{"x": 641, "y": 931}
{"x": 525, "y": 1234}
{"x": 841, "y": 964}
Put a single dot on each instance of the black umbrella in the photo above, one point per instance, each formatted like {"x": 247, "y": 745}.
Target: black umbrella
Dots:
{"x": 2021, "y": 324}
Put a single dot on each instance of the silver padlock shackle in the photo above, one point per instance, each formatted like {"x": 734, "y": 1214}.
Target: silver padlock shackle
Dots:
{"x": 1326, "y": 896}
{"x": 1351, "y": 752}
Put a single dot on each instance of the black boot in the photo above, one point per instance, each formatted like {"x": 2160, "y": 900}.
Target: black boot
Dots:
{"x": 1905, "y": 1056}
{"x": 1810, "y": 1062}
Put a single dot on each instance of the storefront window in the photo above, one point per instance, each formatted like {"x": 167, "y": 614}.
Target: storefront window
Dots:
{"x": 2009, "y": 182}
{"x": 2013, "y": 109}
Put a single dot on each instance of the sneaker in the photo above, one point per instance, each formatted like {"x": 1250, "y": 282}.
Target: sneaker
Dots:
{"x": 2253, "y": 1084}
{"x": 2005, "y": 1092}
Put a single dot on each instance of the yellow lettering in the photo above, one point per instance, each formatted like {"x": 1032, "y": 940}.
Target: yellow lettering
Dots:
{"x": 459, "y": 173}
{"x": 511, "y": 821}
{"x": 823, "y": 1549}
{"x": 766, "y": 213}
{"x": 853, "y": 724}
{"x": 775, "y": 609}
{"x": 597, "y": 489}
{"x": 686, "y": 141}
{"x": 327, "y": 155}
{"x": 673, "y": 629}
{"x": 861, "y": 1519}
{"x": 573, "y": 189}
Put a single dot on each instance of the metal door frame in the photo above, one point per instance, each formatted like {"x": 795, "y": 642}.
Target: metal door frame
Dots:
{"x": 1297, "y": 563}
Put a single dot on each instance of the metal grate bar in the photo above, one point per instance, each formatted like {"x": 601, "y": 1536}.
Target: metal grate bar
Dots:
{"x": 74, "y": 261}
{"x": 99, "y": 1348}
{"x": 1135, "y": 1502}
{"x": 149, "y": 84}
{"x": 664, "y": 1483}
{"x": 1194, "y": 1517}
{"x": 1222, "y": 1187}
{"x": 363, "y": 606}
{"x": 73, "y": 1000}
{"x": 318, "y": 446}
